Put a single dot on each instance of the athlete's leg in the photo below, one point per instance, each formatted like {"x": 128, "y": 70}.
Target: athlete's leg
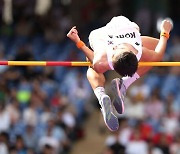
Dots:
{"x": 97, "y": 81}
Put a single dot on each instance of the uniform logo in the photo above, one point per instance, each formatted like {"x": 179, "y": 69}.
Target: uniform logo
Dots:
{"x": 137, "y": 43}
{"x": 127, "y": 35}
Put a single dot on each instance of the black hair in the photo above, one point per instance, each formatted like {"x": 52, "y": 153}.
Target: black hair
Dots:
{"x": 126, "y": 64}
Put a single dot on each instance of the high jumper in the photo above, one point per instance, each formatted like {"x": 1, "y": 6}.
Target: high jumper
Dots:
{"x": 119, "y": 46}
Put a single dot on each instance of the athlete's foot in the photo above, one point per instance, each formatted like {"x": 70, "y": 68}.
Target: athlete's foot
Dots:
{"x": 110, "y": 119}
{"x": 119, "y": 92}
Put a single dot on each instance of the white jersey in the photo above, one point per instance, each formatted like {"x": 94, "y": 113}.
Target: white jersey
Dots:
{"x": 119, "y": 30}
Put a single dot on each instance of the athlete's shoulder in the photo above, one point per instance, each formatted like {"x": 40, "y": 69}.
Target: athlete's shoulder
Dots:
{"x": 100, "y": 62}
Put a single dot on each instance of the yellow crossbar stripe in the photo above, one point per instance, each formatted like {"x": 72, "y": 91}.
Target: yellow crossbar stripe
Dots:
{"x": 27, "y": 63}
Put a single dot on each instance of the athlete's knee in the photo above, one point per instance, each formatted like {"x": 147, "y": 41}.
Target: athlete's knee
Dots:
{"x": 92, "y": 75}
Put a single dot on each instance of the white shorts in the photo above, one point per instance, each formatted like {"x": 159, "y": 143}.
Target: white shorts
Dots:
{"x": 120, "y": 22}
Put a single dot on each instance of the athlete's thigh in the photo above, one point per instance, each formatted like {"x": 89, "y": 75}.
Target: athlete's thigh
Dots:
{"x": 149, "y": 42}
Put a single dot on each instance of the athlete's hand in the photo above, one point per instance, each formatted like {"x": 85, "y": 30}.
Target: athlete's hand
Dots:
{"x": 166, "y": 26}
{"x": 73, "y": 35}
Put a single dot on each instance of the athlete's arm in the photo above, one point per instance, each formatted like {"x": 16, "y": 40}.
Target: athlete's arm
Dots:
{"x": 156, "y": 47}
{"x": 98, "y": 59}
{"x": 166, "y": 28}
{"x": 73, "y": 35}
{"x": 156, "y": 54}
{"x": 149, "y": 42}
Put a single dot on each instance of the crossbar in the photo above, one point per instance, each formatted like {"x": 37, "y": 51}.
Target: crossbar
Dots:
{"x": 76, "y": 63}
